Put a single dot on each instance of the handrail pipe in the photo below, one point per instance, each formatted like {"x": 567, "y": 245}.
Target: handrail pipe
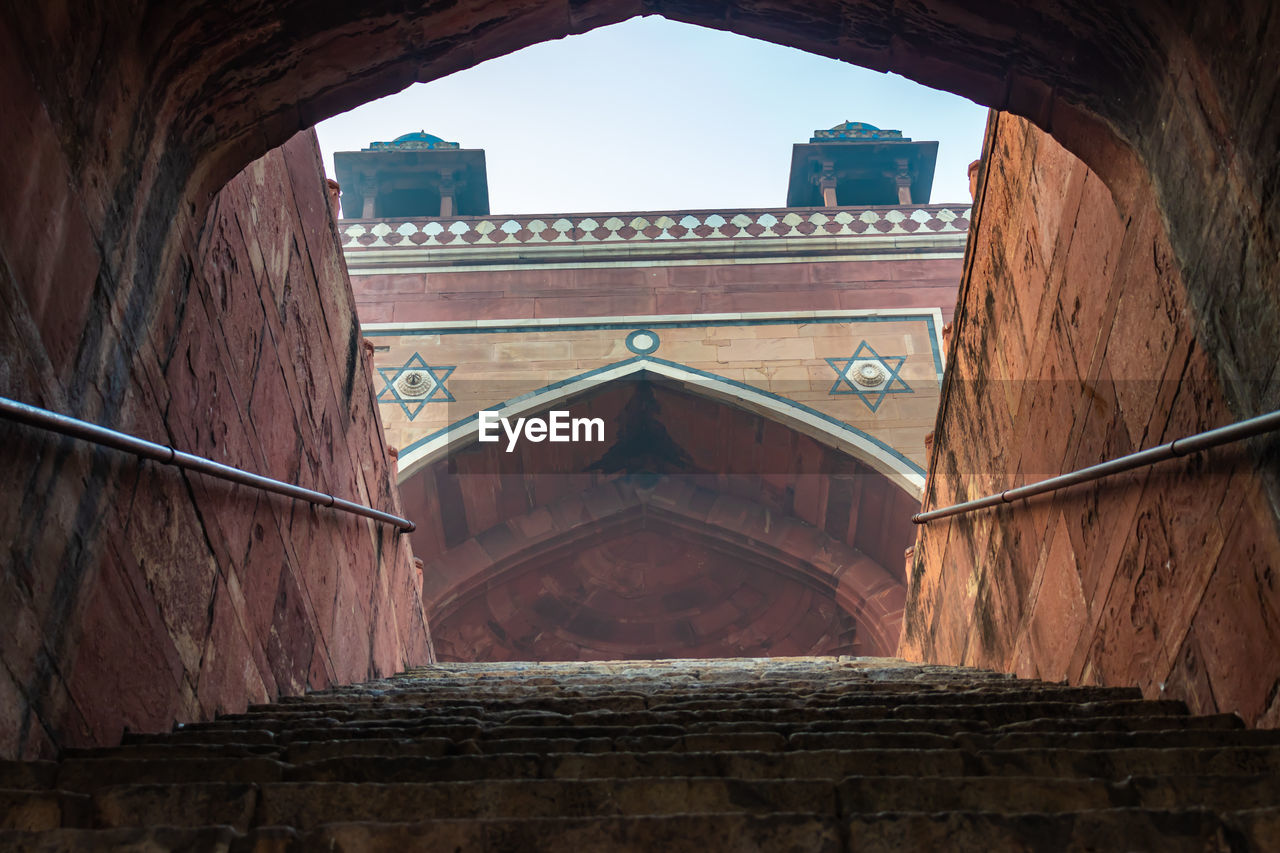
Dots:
{"x": 75, "y": 428}
{"x": 1181, "y": 447}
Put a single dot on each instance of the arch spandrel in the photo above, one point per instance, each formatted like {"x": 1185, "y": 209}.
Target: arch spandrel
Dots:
{"x": 830, "y": 431}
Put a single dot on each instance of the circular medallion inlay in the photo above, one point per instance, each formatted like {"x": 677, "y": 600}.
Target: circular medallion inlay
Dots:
{"x": 868, "y": 374}
{"x": 414, "y": 384}
{"x": 642, "y": 341}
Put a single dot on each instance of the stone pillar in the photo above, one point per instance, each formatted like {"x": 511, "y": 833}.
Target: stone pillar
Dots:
{"x": 903, "y": 181}
{"x": 448, "y": 189}
{"x": 827, "y": 183}
{"x": 973, "y": 178}
{"x": 828, "y": 187}
{"x": 369, "y": 191}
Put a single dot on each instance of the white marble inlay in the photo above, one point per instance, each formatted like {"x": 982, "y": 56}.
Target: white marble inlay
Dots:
{"x": 867, "y": 374}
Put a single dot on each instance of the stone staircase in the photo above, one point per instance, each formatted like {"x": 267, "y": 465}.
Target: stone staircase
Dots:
{"x": 805, "y": 754}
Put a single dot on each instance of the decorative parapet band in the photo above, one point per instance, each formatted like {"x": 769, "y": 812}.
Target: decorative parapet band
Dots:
{"x": 655, "y": 227}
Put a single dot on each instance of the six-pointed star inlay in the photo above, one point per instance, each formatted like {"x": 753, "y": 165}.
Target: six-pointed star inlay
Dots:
{"x": 869, "y": 375}
{"x": 415, "y": 384}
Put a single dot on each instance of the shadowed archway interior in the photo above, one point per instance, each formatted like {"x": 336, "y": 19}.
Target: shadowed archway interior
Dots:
{"x": 694, "y": 529}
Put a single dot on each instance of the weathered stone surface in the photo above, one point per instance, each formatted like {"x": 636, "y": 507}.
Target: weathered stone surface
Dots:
{"x": 1076, "y": 341}
{"x": 186, "y": 804}
{"x": 209, "y": 839}
{"x": 171, "y": 596}
{"x": 1109, "y": 829}
{"x": 40, "y": 811}
{"x": 1082, "y": 779}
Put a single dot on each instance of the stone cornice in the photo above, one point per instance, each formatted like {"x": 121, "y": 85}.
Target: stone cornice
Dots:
{"x": 653, "y": 236}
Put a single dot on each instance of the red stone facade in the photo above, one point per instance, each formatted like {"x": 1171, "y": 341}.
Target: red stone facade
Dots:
{"x": 135, "y": 595}
{"x": 120, "y": 124}
{"x": 660, "y": 290}
{"x": 742, "y": 528}
{"x": 1073, "y": 344}
{"x": 610, "y": 264}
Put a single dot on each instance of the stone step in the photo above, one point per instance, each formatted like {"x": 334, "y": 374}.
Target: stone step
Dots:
{"x": 35, "y": 811}
{"x": 84, "y": 775}
{"x": 995, "y": 714}
{"x": 963, "y": 832}
{"x": 249, "y": 739}
{"x": 205, "y": 839}
{"x": 708, "y": 755}
{"x": 690, "y": 833}
{"x": 1191, "y": 831}
{"x": 1154, "y": 739}
{"x": 308, "y": 805}
{"x": 550, "y": 706}
{"x": 817, "y": 764}
{"x": 87, "y": 774}
{"x": 162, "y": 751}
{"x": 1028, "y": 794}
{"x": 28, "y": 775}
{"x": 190, "y": 804}
{"x": 299, "y": 750}
{"x": 471, "y": 702}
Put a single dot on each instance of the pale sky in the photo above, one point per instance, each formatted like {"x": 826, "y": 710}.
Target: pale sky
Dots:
{"x": 651, "y": 114}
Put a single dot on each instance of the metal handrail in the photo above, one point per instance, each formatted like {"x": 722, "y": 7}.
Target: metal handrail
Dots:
{"x": 45, "y": 419}
{"x": 1181, "y": 447}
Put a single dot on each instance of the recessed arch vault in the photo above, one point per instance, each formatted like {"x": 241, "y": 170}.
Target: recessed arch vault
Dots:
{"x": 747, "y": 513}
{"x": 859, "y": 594}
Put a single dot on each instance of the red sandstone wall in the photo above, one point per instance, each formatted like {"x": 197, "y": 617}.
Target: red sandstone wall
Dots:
{"x": 132, "y": 595}
{"x": 658, "y": 289}
{"x": 1073, "y": 343}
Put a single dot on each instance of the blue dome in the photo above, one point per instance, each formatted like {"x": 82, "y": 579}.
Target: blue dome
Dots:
{"x": 418, "y": 141}
{"x": 420, "y": 136}
{"x": 855, "y": 130}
